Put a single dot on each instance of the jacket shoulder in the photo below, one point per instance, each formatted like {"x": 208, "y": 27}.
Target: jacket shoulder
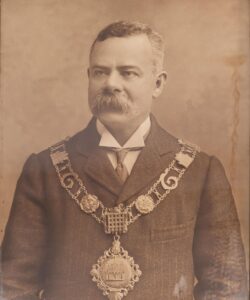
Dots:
{"x": 203, "y": 162}
{"x": 42, "y": 158}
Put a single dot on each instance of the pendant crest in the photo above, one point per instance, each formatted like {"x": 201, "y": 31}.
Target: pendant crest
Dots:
{"x": 115, "y": 272}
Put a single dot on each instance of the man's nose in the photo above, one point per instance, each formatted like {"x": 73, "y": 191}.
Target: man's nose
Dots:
{"x": 113, "y": 81}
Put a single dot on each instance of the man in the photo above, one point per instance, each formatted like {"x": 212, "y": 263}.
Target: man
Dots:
{"x": 123, "y": 209}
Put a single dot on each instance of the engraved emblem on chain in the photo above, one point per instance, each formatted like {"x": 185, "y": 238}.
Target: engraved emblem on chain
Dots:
{"x": 89, "y": 203}
{"x": 144, "y": 204}
{"x": 115, "y": 272}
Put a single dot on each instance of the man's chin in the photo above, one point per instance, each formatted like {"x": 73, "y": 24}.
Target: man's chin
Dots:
{"x": 114, "y": 117}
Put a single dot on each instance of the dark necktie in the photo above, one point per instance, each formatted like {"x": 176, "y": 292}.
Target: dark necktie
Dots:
{"x": 121, "y": 169}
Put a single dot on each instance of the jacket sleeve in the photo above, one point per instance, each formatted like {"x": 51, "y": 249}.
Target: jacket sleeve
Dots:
{"x": 25, "y": 240}
{"x": 219, "y": 258}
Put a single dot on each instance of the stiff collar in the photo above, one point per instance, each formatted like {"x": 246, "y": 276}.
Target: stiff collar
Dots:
{"x": 136, "y": 139}
{"x": 86, "y": 141}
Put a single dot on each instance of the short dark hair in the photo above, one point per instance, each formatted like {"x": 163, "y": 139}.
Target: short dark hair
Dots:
{"x": 129, "y": 28}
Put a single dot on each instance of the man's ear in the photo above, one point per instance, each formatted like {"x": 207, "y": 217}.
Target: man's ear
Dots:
{"x": 160, "y": 81}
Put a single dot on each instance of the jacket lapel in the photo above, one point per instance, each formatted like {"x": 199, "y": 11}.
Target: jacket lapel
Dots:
{"x": 155, "y": 157}
{"x": 99, "y": 168}
{"x": 97, "y": 165}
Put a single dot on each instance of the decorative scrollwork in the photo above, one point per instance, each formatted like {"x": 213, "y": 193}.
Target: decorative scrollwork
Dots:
{"x": 171, "y": 182}
{"x": 68, "y": 180}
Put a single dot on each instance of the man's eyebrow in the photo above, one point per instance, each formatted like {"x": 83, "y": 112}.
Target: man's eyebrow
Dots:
{"x": 128, "y": 67}
{"x": 99, "y": 67}
{"x": 122, "y": 67}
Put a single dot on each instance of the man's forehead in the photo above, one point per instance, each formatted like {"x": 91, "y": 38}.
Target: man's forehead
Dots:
{"x": 119, "y": 39}
{"x": 134, "y": 46}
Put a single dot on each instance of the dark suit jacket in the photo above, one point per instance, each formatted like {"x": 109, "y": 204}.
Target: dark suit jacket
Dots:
{"x": 51, "y": 244}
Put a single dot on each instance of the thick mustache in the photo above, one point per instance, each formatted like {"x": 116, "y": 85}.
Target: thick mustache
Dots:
{"x": 107, "y": 100}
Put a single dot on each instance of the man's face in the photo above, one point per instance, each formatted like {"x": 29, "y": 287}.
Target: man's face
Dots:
{"x": 122, "y": 81}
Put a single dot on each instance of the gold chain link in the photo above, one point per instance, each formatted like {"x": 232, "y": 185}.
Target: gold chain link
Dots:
{"x": 60, "y": 156}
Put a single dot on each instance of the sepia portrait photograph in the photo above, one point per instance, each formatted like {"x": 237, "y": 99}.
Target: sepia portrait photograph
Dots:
{"x": 124, "y": 150}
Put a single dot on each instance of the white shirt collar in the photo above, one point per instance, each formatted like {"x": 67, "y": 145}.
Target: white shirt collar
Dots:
{"x": 136, "y": 139}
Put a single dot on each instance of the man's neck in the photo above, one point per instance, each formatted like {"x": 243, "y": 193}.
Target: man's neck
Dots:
{"x": 122, "y": 132}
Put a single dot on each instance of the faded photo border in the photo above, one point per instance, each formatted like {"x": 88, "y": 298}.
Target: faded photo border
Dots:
{"x": 44, "y": 60}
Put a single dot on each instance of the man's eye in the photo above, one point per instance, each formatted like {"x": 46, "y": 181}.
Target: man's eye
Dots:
{"x": 129, "y": 74}
{"x": 98, "y": 73}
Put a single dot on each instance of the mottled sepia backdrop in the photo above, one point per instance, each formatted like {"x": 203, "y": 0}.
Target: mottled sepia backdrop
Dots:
{"x": 44, "y": 58}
